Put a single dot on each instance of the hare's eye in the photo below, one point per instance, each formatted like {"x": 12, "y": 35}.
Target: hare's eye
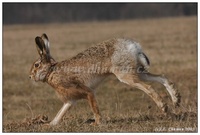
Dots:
{"x": 36, "y": 65}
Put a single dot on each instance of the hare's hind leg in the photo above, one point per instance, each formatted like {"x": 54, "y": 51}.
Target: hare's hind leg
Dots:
{"x": 175, "y": 95}
{"x": 134, "y": 81}
{"x": 61, "y": 113}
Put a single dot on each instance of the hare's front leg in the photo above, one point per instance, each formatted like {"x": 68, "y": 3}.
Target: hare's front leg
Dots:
{"x": 75, "y": 92}
{"x": 61, "y": 113}
{"x": 93, "y": 104}
{"x": 89, "y": 95}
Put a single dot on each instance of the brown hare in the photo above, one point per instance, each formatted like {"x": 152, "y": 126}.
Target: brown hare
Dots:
{"x": 76, "y": 78}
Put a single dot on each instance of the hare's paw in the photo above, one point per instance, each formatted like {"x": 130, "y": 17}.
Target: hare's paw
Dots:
{"x": 93, "y": 122}
{"x": 177, "y": 97}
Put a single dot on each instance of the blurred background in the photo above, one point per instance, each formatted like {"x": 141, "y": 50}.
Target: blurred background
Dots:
{"x": 24, "y": 13}
{"x": 167, "y": 33}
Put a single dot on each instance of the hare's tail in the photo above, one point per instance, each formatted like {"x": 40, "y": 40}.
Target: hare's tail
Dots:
{"x": 143, "y": 62}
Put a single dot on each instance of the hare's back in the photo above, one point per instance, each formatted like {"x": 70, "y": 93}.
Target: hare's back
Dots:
{"x": 105, "y": 54}
{"x": 99, "y": 53}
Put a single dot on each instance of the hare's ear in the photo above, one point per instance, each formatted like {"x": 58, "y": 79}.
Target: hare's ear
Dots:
{"x": 43, "y": 50}
{"x": 39, "y": 45}
{"x": 46, "y": 43}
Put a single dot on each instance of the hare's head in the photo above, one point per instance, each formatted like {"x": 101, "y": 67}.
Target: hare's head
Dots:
{"x": 41, "y": 66}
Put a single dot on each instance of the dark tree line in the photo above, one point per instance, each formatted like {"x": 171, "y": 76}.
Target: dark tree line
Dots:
{"x": 16, "y": 13}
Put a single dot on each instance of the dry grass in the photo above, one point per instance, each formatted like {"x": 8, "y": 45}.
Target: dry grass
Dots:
{"x": 170, "y": 43}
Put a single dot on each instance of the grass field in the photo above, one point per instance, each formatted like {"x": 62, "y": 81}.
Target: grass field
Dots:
{"x": 170, "y": 44}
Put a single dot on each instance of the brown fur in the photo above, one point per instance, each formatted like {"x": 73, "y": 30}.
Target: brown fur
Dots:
{"x": 76, "y": 78}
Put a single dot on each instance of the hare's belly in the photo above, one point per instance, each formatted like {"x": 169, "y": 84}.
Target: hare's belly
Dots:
{"x": 93, "y": 81}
